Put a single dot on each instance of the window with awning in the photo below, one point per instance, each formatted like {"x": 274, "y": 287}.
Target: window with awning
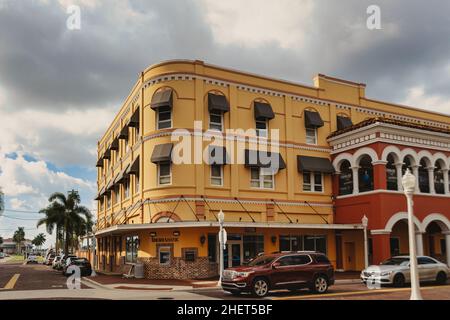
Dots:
{"x": 263, "y": 111}
{"x": 162, "y": 99}
{"x": 122, "y": 176}
{"x": 100, "y": 194}
{"x": 107, "y": 154}
{"x": 217, "y": 155}
{"x": 263, "y": 159}
{"x": 99, "y": 163}
{"x": 162, "y": 153}
{"x": 217, "y": 103}
{"x": 115, "y": 144}
{"x": 314, "y": 164}
{"x": 123, "y": 133}
{"x": 313, "y": 119}
{"x": 134, "y": 120}
{"x": 134, "y": 168}
{"x": 343, "y": 122}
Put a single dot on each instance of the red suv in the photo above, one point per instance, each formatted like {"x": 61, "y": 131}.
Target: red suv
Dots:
{"x": 286, "y": 270}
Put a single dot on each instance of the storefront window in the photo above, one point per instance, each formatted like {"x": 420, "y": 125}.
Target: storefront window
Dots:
{"x": 300, "y": 243}
{"x": 189, "y": 254}
{"x": 253, "y": 245}
{"x": 212, "y": 247}
{"x": 132, "y": 247}
{"x": 365, "y": 174}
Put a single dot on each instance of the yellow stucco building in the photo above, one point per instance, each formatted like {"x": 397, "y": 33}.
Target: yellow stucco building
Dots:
{"x": 165, "y": 214}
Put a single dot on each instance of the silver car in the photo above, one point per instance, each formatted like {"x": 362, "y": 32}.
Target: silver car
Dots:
{"x": 396, "y": 271}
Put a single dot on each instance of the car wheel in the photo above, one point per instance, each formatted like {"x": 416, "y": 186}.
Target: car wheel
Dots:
{"x": 260, "y": 287}
{"x": 320, "y": 284}
{"x": 441, "y": 278}
{"x": 399, "y": 281}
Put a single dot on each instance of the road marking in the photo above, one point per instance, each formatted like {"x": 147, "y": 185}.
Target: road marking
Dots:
{"x": 12, "y": 282}
{"x": 337, "y": 294}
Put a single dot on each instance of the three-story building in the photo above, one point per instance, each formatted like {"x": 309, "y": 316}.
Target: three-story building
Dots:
{"x": 334, "y": 165}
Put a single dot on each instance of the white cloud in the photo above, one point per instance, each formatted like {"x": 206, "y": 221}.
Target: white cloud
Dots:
{"x": 417, "y": 97}
{"x": 252, "y": 23}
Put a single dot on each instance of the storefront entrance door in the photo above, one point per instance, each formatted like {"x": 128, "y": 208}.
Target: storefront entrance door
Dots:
{"x": 233, "y": 254}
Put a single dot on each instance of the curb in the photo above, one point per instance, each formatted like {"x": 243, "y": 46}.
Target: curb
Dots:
{"x": 95, "y": 283}
{"x": 347, "y": 281}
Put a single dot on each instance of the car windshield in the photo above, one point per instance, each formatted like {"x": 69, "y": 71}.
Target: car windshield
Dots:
{"x": 396, "y": 262}
{"x": 260, "y": 261}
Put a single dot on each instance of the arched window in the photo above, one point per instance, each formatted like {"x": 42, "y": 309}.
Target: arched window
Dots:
{"x": 365, "y": 174}
{"x": 439, "y": 177}
{"x": 391, "y": 173}
{"x": 345, "y": 178}
{"x": 424, "y": 182}
{"x": 407, "y": 164}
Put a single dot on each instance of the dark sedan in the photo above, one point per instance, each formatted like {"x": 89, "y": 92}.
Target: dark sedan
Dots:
{"x": 82, "y": 263}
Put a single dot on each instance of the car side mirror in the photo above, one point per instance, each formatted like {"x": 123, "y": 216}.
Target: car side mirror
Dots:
{"x": 275, "y": 265}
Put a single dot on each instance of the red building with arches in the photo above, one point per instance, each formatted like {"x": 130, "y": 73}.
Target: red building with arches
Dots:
{"x": 370, "y": 159}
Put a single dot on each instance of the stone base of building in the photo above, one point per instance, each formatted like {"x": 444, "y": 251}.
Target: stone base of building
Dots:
{"x": 178, "y": 268}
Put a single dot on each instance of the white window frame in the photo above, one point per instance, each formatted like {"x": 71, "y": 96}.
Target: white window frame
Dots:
{"x": 310, "y": 138}
{"x": 158, "y": 127}
{"x": 211, "y": 123}
{"x": 136, "y": 183}
{"x": 212, "y": 178}
{"x": 259, "y": 131}
{"x": 261, "y": 179}
{"x": 126, "y": 189}
{"x": 312, "y": 183}
{"x": 169, "y": 176}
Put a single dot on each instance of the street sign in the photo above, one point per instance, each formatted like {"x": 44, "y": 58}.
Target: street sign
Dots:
{"x": 223, "y": 238}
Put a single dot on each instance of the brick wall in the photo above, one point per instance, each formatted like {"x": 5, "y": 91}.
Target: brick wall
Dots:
{"x": 201, "y": 268}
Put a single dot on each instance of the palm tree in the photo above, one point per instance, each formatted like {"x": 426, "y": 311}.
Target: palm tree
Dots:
{"x": 39, "y": 240}
{"x": 67, "y": 215}
{"x": 19, "y": 237}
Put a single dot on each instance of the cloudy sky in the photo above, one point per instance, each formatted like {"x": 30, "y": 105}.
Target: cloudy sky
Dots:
{"x": 59, "y": 88}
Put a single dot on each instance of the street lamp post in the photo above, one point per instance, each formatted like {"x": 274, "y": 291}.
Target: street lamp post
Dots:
{"x": 365, "y": 223}
{"x": 222, "y": 242}
{"x": 409, "y": 186}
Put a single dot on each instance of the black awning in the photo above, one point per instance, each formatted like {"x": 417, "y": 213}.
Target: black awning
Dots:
{"x": 107, "y": 154}
{"x": 123, "y": 133}
{"x": 115, "y": 144}
{"x": 263, "y": 159}
{"x": 110, "y": 186}
{"x": 162, "y": 99}
{"x": 134, "y": 168}
{"x": 218, "y": 103}
{"x": 122, "y": 176}
{"x": 100, "y": 194}
{"x": 313, "y": 119}
{"x": 162, "y": 153}
{"x": 314, "y": 164}
{"x": 99, "y": 163}
{"x": 343, "y": 122}
{"x": 263, "y": 111}
{"x": 134, "y": 120}
{"x": 218, "y": 155}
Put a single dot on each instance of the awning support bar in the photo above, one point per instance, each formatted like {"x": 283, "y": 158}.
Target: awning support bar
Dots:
{"x": 320, "y": 215}
{"x": 210, "y": 209}
{"x": 285, "y": 214}
{"x": 245, "y": 209}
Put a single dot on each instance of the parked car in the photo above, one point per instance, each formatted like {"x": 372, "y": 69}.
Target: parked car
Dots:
{"x": 286, "y": 270}
{"x": 49, "y": 259}
{"x": 31, "y": 259}
{"x": 62, "y": 262}
{"x": 2, "y": 255}
{"x": 396, "y": 271}
{"x": 82, "y": 263}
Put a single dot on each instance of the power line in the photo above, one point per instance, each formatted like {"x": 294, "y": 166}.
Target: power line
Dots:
{"x": 29, "y": 211}
{"x": 25, "y": 219}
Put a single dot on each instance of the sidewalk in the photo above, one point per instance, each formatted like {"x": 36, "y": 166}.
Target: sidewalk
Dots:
{"x": 112, "y": 281}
